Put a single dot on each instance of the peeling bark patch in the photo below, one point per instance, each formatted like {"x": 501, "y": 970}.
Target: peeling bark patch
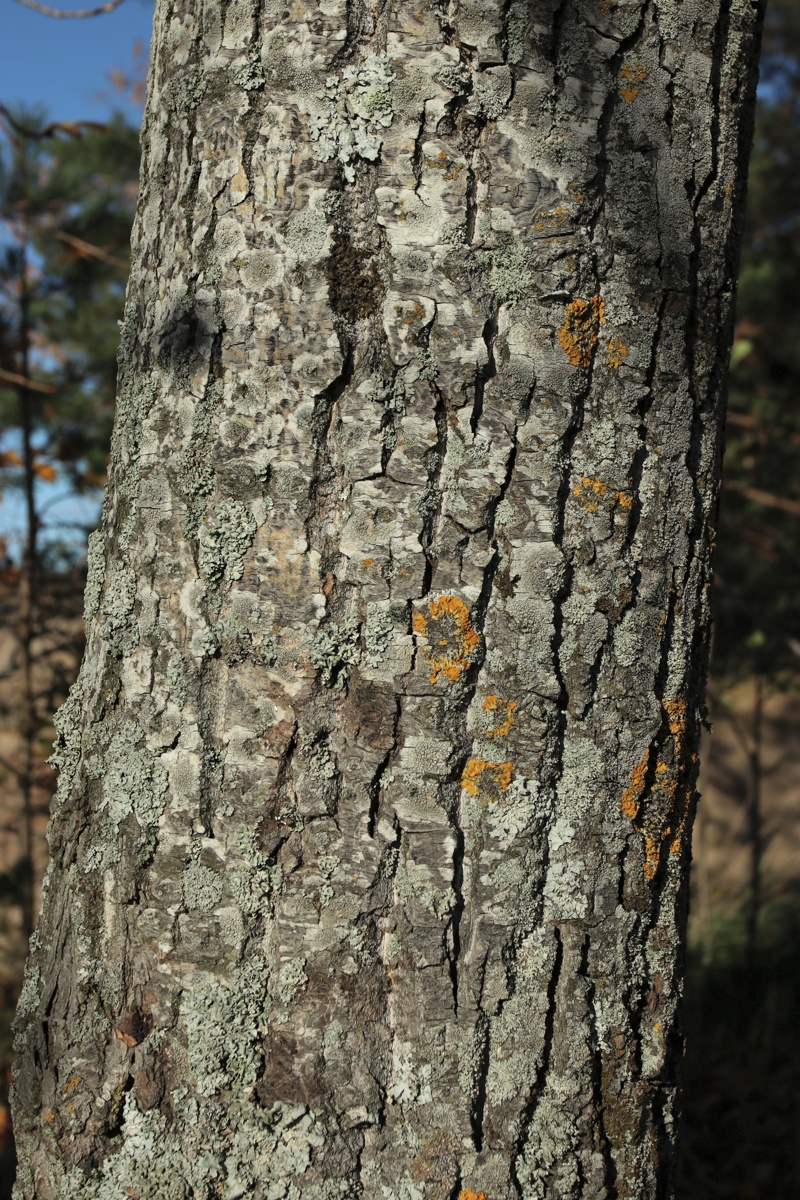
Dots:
{"x": 579, "y": 332}
{"x": 452, "y": 639}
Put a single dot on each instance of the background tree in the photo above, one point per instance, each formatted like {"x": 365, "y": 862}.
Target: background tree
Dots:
{"x": 423, "y": 357}
{"x": 743, "y": 985}
{"x": 67, "y": 194}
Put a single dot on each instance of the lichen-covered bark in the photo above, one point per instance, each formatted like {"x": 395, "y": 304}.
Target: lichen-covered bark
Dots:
{"x": 371, "y": 841}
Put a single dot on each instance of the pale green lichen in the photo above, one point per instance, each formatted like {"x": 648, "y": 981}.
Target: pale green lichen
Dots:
{"x": 270, "y": 1147}
{"x": 291, "y": 979}
{"x": 306, "y": 235}
{"x": 410, "y": 1084}
{"x": 117, "y": 626}
{"x": 378, "y": 633}
{"x": 176, "y": 678}
{"x": 95, "y": 570}
{"x": 510, "y": 275}
{"x": 333, "y": 649}
{"x": 319, "y": 761}
{"x": 202, "y": 887}
{"x": 225, "y": 538}
{"x": 516, "y": 812}
{"x": 133, "y": 780}
{"x": 250, "y": 75}
{"x": 67, "y": 746}
{"x": 456, "y": 78}
{"x": 454, "y": 233}
{"x": 356, "y": 109}
{"x": 334, "y": 1035}
{"x": 492, "y": 93}
{"x": 223, "y": 1020}
{"x": 239, "y": 1151}
{"x": 194, "y": 471}
{"x": 148, "y": 1165}
{"x": 257, "y": 880}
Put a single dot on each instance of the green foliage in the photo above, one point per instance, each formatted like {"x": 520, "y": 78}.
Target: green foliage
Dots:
{"x": 67, "y": 198}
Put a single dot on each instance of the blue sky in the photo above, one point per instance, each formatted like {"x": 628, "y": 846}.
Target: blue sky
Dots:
{"x": 63, "y": 65}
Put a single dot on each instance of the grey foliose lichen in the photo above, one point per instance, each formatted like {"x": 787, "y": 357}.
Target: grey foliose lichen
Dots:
{"x": 516, "y": 812}
{"x": 291, "y": 979}
{"x": 256, "y": 880}
{"x": 133, "y": 780}
{"x": 356, "y": 108}
{"x": 224, "y": 540}
{"x": 378, "y": 634}
{"x": 334, "y": 648}
{"x": 147, "y": 1165}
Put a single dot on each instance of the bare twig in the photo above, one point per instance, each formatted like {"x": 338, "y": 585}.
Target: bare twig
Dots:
{"x": 88, "y": 248}
{"x": 30, "y": 384}
{"x": 65, "y": 12}
{"x": 761, "y": 497}
{"x": 748, "y": 421}
{"x": 75, "y": 129}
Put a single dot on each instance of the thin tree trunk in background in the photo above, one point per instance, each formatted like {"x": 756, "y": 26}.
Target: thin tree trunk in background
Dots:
{"x": 754, "y": 746}
{"x": 370, "y": 851}
{"x": 29, "y": 722}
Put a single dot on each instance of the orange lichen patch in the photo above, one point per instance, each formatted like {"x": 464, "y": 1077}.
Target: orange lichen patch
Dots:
{"x": 617, "y": 353}
{"x": 452, "y": 640}
{"x": 367, "y": 562}
{"x": 631, "y": 797}
{"x": 449, "y": 166}
{"x": 666, "y": 811}
{"x": 48, "y": 1116}
{"x": 590, "y": 492}
{"x": 676, "y": 714}
{"x": 505, "y": 710}
{"x": 469, "y": 1194}
{"x": 73, "y": 1083}
{"x": 578, "y": 334}
{"x": 410, "y": 316}
{"x": 555, "y": 217}
{"x": 489, "y": 780}
{"x": 632, "y": 77}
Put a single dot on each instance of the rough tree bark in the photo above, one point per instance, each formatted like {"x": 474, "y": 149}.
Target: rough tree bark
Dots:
{"x": 370, "y": 850}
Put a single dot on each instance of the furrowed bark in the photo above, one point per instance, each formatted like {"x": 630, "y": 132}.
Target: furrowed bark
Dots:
{"x": 371, "y": 844}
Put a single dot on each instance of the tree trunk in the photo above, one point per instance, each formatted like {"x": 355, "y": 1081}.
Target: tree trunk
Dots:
{"x": 370, "y": 849}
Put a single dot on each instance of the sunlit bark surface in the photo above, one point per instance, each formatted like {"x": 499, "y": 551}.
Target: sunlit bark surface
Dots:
{"x": 371, "y": 842}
